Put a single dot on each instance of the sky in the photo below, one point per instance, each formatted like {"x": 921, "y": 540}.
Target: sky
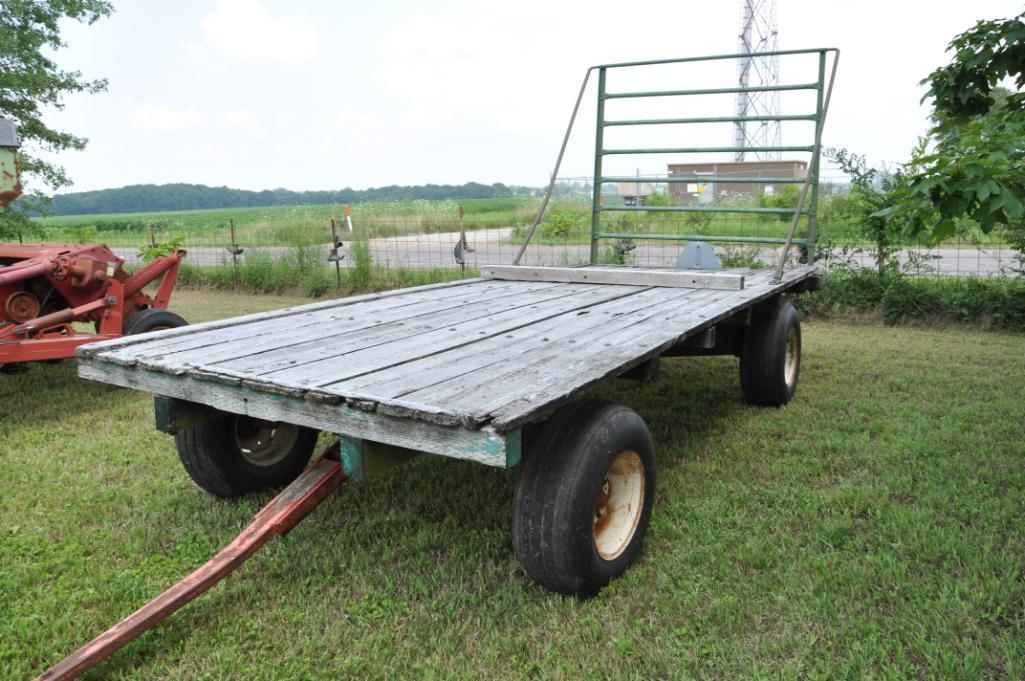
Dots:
{"x": 308, "y": 94}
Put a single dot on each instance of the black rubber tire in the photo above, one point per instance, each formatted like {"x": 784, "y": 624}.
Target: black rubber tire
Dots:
{"x": 214, "y": 460}
{"x": 763, "y": 357}
{"x": 554, "y": 504}
{"x": 151, "y": 319}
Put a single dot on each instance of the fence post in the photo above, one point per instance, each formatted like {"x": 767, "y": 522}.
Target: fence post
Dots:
{"x": 234, "y": 250}
{"x": 462, "y": 247}
{"x": 335, "y": 245}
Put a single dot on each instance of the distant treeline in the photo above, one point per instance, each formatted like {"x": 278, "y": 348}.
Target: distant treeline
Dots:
{"x": 153, "y": 198}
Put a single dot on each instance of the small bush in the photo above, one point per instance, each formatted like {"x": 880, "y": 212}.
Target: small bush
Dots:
{"x": 558, "y": 226}
{"x": 996, "y": 301}
{"x": 784, "y": 197}
{"x": 360, "y": 273}
{"x": 742, "y": 256}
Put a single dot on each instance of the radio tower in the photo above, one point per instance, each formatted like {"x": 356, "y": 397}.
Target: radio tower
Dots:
{"x": 755, "y": 69}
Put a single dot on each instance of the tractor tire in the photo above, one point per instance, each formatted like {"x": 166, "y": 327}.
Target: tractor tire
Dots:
{"x": 584, "y": 498}
{"x": 232, "y": 455}
{"x": 770, "y": 359}
{"x": 151, "y": 319}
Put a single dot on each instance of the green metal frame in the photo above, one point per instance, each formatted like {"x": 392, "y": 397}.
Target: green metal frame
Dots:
{"x": 811, "y": 182}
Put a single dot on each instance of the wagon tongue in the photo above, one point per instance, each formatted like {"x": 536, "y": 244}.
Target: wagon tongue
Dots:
{"x": 284, "y": 512}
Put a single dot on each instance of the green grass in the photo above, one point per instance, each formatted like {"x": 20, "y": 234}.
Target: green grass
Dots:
{"x": 283, "y": 225}
{"x": 875, "y": 527}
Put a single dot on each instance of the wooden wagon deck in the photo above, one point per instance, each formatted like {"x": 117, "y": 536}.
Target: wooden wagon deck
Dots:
{"x": 452, "y": 368}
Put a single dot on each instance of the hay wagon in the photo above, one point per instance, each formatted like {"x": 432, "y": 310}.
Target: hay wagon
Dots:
{"x": 488, "y": 370}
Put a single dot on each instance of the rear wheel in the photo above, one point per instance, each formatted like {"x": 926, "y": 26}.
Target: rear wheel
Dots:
{"x": 770, "y": 360}
{"x": 584, "y": 499}
{"x": 151, "y": 319}
{"x": 231, "y": 455}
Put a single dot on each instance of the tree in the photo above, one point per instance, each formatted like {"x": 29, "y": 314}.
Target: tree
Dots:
{"x": 974, "y": 162}
{"x": 30, "y": 81}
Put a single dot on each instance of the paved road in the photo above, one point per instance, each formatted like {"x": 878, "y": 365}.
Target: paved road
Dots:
{"x": 491, "y": 246}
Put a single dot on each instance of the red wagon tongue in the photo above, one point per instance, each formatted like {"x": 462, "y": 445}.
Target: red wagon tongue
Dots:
{"x": 278, "y": 517}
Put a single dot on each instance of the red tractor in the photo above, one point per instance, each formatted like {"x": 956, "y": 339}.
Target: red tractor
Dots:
{"x": 45, "y": 289}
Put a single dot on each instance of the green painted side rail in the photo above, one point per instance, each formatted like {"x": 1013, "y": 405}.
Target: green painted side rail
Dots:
{"x": 711, "y": 91}
{"x": 713, "y": 119}
{"x": 702, "y": 150}
{"x": 699, "y": 209}
{"x": 702, "y": 237}
{"x": 679, "y": 179}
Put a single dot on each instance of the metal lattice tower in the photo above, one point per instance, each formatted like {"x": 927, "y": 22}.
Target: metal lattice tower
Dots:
{"x": 757, "y": 36}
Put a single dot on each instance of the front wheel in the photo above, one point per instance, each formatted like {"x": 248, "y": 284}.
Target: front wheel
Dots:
{"x": 232, "y": 455}
{"x": 584, "y": 499}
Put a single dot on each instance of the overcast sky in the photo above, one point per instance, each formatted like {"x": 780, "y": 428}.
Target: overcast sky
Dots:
{"x": 312, "y": 94}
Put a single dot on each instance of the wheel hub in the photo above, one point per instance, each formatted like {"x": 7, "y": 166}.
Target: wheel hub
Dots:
{"x": 264, "y": 443}
{"x": 791, "y": 359}
{"x": 618, "y": 506}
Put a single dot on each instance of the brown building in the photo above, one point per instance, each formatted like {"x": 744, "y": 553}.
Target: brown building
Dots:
{"x": 705, "y": 190}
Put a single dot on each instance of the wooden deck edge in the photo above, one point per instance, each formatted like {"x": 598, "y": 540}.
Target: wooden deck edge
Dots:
{"x": 616, "y": 275}
{"x": 484, "y": 445}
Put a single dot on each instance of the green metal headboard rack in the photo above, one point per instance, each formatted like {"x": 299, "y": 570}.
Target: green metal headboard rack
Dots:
{"x": 810, "y": 182}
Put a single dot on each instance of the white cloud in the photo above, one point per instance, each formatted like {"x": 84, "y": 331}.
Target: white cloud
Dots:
{"x": 234, "y": 119}
{"x": 160, "y": 118}
{"x": 244, "y": 29}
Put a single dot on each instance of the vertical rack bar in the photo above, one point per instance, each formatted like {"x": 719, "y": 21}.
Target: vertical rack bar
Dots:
{"x": 598, "y": 149}
{"x": 813, "y": 209}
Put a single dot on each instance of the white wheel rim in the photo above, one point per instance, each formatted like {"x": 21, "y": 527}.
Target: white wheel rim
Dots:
{"x": 264, "y": 443}
{"x": 792, "y": 358}
{"x": 617, "y": 509}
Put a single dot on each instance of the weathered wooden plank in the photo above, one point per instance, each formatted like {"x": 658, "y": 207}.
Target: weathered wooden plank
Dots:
{"x": 633, "y": 276}
{"x": 467, "y": 361}
{"x": 483, "y": 446}
{"x": 511, "y": 379}
{"x": 283, "y": 327}
{"x": 329, "y": 333}
{"x": 586, "y": 367}
{"x": 469, "y": 367}
{"x": 355, "y": 359}
{"x": 166, "y": 335}
{"x": 311, "y": 350}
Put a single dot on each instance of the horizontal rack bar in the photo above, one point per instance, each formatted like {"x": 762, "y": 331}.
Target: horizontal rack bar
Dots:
{"x": 710, "y": 119}
{"x": 698, "y": 209}
{"x": 700, "y": 237}
{"x": 703, "y": 150}
{"x": 714, "y": 57}
{"x": 712, "y": 91}
{"x": 705, "y": 179}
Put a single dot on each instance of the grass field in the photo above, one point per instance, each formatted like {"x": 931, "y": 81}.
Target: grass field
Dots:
{"x": 567, "y": 221}
{"x": 875, "y": 527}
{"x": 283, "y": 225}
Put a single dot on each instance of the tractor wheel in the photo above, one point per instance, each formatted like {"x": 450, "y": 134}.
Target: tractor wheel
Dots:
{"x": 232, "y": 455}
{"x": 584, "y": 498}
{"x": 151, "y": 319}
{"x": 770, "y": 359}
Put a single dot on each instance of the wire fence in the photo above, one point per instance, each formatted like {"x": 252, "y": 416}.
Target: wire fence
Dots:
{"x": 563, "y": 239}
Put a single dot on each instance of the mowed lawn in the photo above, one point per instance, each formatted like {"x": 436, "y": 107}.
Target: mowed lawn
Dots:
{"x": 874, "y": 527}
